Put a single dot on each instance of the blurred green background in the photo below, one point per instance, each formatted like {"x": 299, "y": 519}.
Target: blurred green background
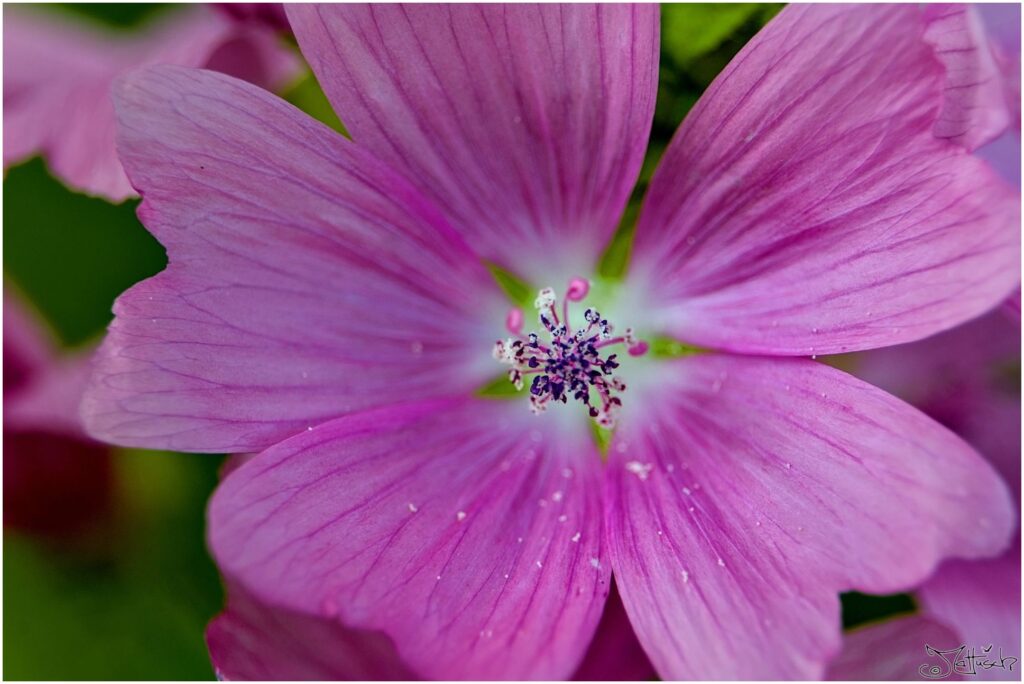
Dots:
{"x": 131, "y": 600}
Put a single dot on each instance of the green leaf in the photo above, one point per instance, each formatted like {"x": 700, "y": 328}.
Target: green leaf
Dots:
{"x": 859, "y": 609}
{"x": 500, "y": 388}
{"x": 307, "y": 95}
{"x": 125, "y": 15}
{"x": 136, "y": 606}
{"x": 664, "y": 347}
{"x": 514, "y": 288}
{"x": 70, "y": 254}
{"x": 691, "y": 30}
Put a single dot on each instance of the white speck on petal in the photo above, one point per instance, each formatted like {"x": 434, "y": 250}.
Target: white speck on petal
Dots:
{"x": 721, "y": 563}
{"x": 557, "y": 496}
{"x": 641, "y": 470}
{"x": 438, "y": 578}
{"x": 596, "y": 562}
{"x": 460, "y": 516}
{"x": 562, "y": 518}
{"x": 576, "y": 537}
{"x": 519, "y": 540}
{"x": 539, "y": 564}
{"x": 670, "y": 468}
{"x": 686, "y": 576}
{"x": 686, "y": 491}
{"x": 412, "y": 507}
{"x": 788, "y": 465}
{"x": 487, "y": 633}
{"x": 566, "y": 473}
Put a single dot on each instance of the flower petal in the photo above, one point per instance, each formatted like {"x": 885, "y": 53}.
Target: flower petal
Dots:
{"x": 745, "y": 494}
{"x": 981, "y": 601}
{"x": 975, "y": 108}
{"x": 469, "y": 532}
{"x": 892, "y": 650}
{"x": 805, "y": 206}
{"x": 527, "y": 124}
{"x": 966, "y": 378}
{"x": 305, "y": 279}
{"x": 255, "y": 641}
{"x": 58, "y": 74}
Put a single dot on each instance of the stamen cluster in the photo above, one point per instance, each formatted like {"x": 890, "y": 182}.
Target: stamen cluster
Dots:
{"x": 571, "y": 363}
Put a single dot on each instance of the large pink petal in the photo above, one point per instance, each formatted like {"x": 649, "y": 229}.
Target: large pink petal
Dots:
{"x": 745, "y": 494}
{"x": 893, "y": 650}
{"x": 966, "y": 378}
{"x": 306, "y": 280}
{"x": 527, "y": 124}
{"x": 255, "y": 641}
{"x": 981, "y": 601}
{"x": 58, "y": 74}
{"x": 469, "y": 532}
{"x": 806, "y": 206}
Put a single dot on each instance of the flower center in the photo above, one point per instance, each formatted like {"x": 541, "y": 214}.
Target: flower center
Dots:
{"x": 570, "y": 364}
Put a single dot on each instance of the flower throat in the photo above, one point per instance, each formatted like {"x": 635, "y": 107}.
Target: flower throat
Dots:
{"x": 571, "y": 364}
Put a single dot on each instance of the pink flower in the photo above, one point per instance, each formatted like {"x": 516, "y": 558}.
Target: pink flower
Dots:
{"x": 965, "y": 379}
{"x": 57, "y": 481}
{"x": 58, "y": 74}
{"x": 327, "y": 305}
{"x": 895, "y": 650}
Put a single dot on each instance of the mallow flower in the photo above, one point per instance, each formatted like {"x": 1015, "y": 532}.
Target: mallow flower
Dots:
{"x": 58, "y": 481}
{"x": 58, "y": 73}
{"x": 329, "y": 304}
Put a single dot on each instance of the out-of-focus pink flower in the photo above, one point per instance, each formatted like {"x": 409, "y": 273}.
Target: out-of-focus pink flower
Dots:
{"x": 326, "y": 305}
{"x": 895, "y": 651}
{"x": 1002, "y": 23}
{"x": 58, "y": 74}
{"x": 57, "y": 480}
{"x": 968, "y": 379}
{"x": 269, "y": 13}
